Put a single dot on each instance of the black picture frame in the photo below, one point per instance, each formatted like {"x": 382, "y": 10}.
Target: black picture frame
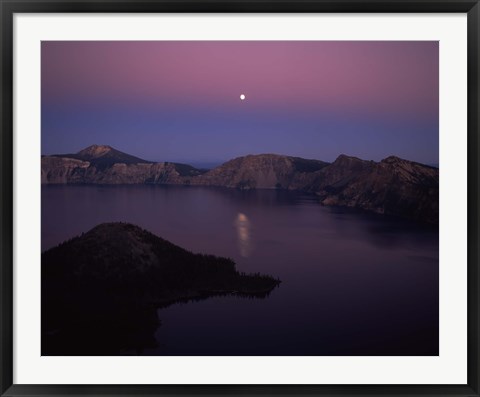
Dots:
{"x": 9, "y": 8}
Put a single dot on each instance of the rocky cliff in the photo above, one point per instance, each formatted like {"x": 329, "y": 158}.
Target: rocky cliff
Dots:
{"x": 101, "y": 164}
{"x": 392, "y": 186}
{"x": 265, "y": 171}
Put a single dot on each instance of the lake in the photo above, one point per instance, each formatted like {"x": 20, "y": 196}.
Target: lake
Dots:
{"x": 352, "y": 283}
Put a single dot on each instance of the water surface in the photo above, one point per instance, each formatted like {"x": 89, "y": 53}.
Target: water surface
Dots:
{"x": 352, "y": 283}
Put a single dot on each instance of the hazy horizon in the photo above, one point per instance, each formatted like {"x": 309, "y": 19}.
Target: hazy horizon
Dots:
{"x": 180, "y": 101}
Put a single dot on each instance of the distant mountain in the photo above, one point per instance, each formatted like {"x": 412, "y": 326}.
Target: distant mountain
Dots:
{"x": 264, "y": 171}
{"x": 205, "y": 165}
{"x": 392, "y": 186}
{"x": 101, "y": 164}
{"x": 117, "y": 270}
{"x": 103, "y": 156}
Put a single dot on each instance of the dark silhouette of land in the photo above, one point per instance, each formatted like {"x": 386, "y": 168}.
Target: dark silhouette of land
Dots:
{"x": 100, "y": 290}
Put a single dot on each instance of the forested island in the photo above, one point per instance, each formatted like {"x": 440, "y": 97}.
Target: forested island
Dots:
{"x": 100, "y": 290}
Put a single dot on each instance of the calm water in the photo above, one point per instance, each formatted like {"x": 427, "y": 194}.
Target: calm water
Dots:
{"x": 352, "y": 283}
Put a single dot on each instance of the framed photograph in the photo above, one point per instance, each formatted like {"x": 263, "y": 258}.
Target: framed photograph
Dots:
{"x": 231, "y": 197}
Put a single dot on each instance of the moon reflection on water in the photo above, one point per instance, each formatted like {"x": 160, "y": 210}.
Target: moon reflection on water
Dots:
{"x": 243, "y": 226}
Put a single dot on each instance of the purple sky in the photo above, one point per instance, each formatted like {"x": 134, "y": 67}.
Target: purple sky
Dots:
{"x": 179, "y": 101}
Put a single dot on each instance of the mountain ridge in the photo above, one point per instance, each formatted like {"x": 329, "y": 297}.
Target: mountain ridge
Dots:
{"x": 392, "y": 186}
{"x": 103, "y": 156}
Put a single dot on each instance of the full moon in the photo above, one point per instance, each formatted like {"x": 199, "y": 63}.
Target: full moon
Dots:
{"x": 242, "y": 97}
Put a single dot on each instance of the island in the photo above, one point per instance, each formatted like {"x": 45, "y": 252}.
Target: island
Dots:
{"x": 101, "y": 290}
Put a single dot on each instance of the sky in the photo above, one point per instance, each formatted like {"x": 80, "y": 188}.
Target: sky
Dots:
{"x": 180, "y": 100}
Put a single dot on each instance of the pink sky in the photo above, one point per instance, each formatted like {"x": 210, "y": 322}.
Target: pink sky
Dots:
{"x": 359, "y": 76}
{"x": 368, "y": 99}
